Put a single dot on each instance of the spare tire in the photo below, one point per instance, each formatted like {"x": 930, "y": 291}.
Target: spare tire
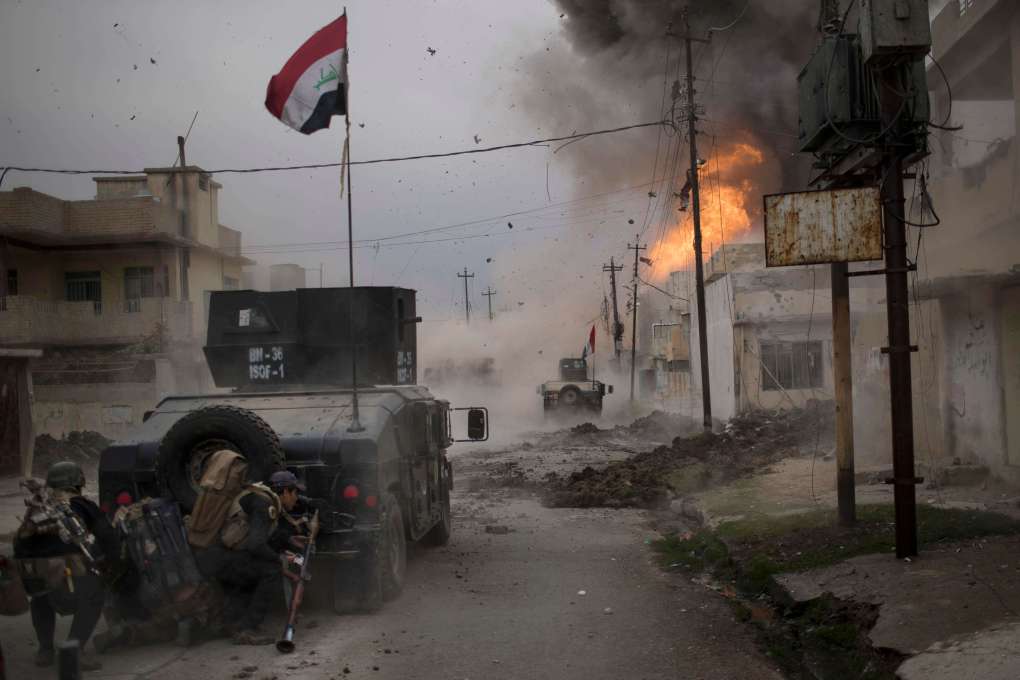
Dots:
{"x": 190, "y": 440}
{"x": 570, "y": 397}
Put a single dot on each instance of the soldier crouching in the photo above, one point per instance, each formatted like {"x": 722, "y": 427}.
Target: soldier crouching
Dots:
{"x": 61, "y": 549}
{"x": 242, "y": 560}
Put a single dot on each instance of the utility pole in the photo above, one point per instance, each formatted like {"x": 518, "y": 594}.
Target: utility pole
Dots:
{"x": 467, "y": 301}
{"x": 904, "y": 479}
{"x": 691, "y": 113}
{"x": 612, "y": 268}
{"x": 842, "y": 375}
{"x": 184, "y": 260}
{"x": 842, "y": 380}
{"x": 489, "y": 292}
{"x": 637, "y": 248}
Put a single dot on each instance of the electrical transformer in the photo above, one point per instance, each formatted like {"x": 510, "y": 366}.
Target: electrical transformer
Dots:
{"x": 839, "y": 106}
{"x": 894, "y": 29}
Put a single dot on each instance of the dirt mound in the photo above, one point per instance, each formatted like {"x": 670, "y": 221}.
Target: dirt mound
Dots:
{"x": 585, "y": 428}
{"x": 81, "y": 447}
{"x": 660, "y": 426}
{"x": 649, "y": 479}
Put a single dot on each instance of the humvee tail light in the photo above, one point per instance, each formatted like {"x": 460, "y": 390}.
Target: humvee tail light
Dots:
{"x": 123, "y": 498}
{"x": 371, "y": 501}
{"x": 351, "y": 492}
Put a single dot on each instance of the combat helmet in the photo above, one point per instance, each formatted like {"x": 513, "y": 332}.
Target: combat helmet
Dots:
{"x": 65, "y": 475}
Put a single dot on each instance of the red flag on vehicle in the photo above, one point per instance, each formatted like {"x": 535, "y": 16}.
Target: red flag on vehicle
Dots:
{"x": 589, "y": 347}
{"x": 311, "y": 87}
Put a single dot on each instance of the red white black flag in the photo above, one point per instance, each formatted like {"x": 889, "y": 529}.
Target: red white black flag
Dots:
{"x": 312, "y": 86}
{"x": 589, "y": 347}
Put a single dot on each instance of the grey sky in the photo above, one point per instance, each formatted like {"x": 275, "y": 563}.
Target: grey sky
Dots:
{"x": 73, "y": 97}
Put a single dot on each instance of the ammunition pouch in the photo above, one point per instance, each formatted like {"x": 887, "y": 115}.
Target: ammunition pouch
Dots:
{"x": 53, "y": 576}
{"x": 235, "y": 529}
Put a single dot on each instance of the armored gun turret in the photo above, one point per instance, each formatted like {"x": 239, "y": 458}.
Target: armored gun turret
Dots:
{"x": 288, "y": 361}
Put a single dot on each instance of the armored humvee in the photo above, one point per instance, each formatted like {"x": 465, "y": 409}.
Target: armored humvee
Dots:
{"x": 573, "y": 391}
{"x": 379, "y": 480}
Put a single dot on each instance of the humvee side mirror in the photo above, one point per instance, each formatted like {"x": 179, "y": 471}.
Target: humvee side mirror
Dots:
{"x": 477, "y": 425}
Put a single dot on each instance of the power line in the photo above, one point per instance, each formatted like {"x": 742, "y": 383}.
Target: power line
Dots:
{"x": 317, "y": 166}
{"x": 478, "y": 222}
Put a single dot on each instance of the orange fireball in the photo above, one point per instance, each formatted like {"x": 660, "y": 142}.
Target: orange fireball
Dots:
{"x": 729, "y": 198}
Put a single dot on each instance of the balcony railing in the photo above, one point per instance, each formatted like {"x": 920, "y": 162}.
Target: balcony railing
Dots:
{"x": 26, "y": 320}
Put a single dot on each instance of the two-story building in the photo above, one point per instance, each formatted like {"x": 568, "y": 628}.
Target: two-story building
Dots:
{"x": 114, "y": 290}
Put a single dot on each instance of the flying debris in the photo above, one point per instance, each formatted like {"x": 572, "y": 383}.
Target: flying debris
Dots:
{"x": 631, "y": 221}
{"x": 647, "y": 261}
{"x": 151, "y": 60}
{"x": 431, "y": 51}
{"x": 651, "y": 194}
{"x": 510, "y": 224}
{"x": 477, "y": 139}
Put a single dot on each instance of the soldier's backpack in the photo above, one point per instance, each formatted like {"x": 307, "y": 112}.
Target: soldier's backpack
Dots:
{"x": 235, "y": 528}
{"x": 157, "y": 544}
{"x": 222, "y": 480}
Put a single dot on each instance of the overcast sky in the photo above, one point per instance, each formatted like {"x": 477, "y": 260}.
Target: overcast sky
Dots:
{"x": 81, "y": 91}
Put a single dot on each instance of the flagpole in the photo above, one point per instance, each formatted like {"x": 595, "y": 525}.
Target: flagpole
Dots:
{"x": 355, "y": 416}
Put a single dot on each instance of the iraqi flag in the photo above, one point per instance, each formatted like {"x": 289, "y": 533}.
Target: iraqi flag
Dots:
{"x": 312, "y": 86}
{"x": 589, "y": 347}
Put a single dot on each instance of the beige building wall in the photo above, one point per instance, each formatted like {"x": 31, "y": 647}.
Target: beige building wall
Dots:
{"x": 144, "y": 221}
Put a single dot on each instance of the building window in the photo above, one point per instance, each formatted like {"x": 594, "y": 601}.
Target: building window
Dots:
{"x": 230, "y": 283}
{"x": 12, "y": 281}
{"x": 139, "y": 282}
{"x": 791, "y": 365}
{"x": 84, "y": 287}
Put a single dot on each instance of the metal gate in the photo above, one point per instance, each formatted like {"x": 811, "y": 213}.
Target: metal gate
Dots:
{"x": 10, "y": 418}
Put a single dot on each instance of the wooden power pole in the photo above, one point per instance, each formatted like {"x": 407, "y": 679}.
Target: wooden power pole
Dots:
{"x": 467, "y": 301}
{"x": 691, "y": 113}
{"x": 612, "y": 268}
{"x": 637, "y": 248}
{"x": 842, "y": 376}
{"x": 489, "y": 292}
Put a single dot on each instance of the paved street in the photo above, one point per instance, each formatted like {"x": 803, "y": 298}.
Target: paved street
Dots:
{"x": 491, "y": 606}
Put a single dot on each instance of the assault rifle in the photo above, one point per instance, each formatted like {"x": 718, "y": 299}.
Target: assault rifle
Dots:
{"x": 285, "y": 645}
{"x": 47, "y": 515}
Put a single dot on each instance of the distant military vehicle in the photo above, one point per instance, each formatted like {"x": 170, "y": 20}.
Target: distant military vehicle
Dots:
{"x": 287, "y": 356}
{"x": 573, "y": 391}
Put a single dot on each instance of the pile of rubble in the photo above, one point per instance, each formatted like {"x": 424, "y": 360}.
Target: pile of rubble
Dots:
{"x": 746, "y": 445}
{"x": 81, "y": 447}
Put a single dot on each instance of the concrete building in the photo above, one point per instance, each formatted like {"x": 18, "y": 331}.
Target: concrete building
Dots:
{"x": 969, "y": 265}
{"x": 115, "y": 289}
{"x": 770, "y": 347}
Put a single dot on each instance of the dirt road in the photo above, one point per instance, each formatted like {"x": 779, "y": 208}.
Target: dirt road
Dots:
{"x": 563, "y": 593}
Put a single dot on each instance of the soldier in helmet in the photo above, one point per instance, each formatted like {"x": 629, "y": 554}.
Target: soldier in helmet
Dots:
{"x": 244, "y": 559}
{"x": 61, "y": 567}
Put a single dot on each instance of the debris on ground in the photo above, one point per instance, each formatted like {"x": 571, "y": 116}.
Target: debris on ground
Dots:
{"x": 498, "y": 529}
{"x": 81, "y": 447}
{"x": 749, "y": 443}
{"x": 661, "y": 426}
{"x": 585, "y": 428}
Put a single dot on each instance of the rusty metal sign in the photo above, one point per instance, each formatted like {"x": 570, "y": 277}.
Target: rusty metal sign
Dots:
{"x": 815, "y": 227}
